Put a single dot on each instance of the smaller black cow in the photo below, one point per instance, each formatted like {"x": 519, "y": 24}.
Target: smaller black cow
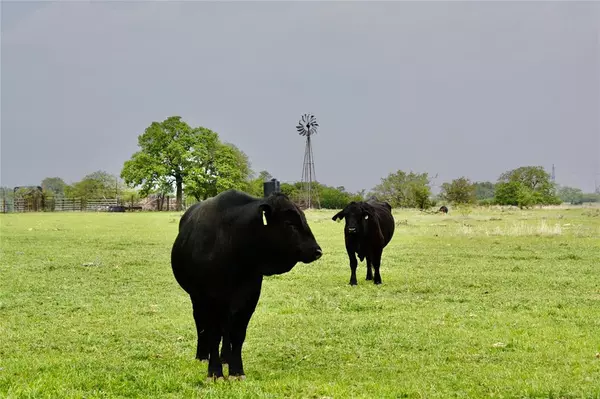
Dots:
{"x": 369, "y": 228}
{"x": 224, "y": 247}
{"x": 443, "y": 209}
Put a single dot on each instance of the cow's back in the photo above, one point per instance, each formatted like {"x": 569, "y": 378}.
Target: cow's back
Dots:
{"x": 208, "y": 238}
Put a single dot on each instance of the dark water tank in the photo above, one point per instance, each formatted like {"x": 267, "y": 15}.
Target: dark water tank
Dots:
{"x": 271, "y": 186}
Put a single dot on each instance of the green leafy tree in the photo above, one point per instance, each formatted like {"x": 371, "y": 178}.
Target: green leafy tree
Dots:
{"x": 54, "y": 186}
{"x": 333, "y": 197}
{"x": 484, "y": 190}
{"x": 407, "y": 190}
{"x": 329, "y": 197}
{"x": 99, "y": 184}
{"x": 507, "y": 193}
{"x": 535, "y": 180}
{"x": 191, "y": 159}
{"x": 526, "y": 186}
{"x": 571, "y": 195}
{"x": 216, "y": 167}
{"x": 459, "y": 191}
{"x": 590, "y": 197}
{"x": 129, "y": 197}
{"x": 167, "y": 151}
{"x": 292, "y": 190}
{"x": 255, "y": 186}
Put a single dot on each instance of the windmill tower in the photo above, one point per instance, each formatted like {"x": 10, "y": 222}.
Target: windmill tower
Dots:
{"x": 307, "y": 126}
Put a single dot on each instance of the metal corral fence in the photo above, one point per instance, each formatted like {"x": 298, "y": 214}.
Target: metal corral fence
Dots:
{"x": 55, "y": 205}
{"x": 40, "y": 204}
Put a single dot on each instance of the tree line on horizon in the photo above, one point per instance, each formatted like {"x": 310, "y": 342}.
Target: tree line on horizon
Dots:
{"x": 175, "y": 159}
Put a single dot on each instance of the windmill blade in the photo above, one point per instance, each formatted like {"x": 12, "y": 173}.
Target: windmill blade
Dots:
{"x": 307, "y": 125}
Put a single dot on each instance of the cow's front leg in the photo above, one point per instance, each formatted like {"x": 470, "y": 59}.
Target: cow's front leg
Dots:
{"x": 369, "y": 269}
{"x": 239, "y": 326}
{"x": 226, "y": 346}
{"x": 351, "y": 251}
{"x": 353, "y": 266}
{"x": 376, "y": 264}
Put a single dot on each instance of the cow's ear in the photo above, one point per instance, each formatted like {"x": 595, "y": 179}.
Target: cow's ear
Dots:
{"x": 339, "y": 215}
{"x": 366, "y": 212}
{"x": 265, "y": 213}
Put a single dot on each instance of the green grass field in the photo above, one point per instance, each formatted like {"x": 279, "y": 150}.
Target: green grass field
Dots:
{"x": 487, "y": 304}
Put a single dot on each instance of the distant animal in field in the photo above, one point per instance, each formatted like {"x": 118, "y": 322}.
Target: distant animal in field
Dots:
{"x": 443, "y": 209}
{"x": 224, "y": 247}
{"x": 369, "y": 228}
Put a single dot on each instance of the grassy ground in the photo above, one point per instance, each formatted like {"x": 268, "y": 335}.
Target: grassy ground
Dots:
{"x": 486, "y": 304}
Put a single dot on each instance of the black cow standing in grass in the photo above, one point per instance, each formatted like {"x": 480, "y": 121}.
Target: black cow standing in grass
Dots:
{"x": 443, "y": 209}
{"x": 369, "y": 228}
{"x": 225, "y": 246}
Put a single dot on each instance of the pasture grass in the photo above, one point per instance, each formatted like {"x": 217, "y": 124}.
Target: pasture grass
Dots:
{"x": 477, "y": 303}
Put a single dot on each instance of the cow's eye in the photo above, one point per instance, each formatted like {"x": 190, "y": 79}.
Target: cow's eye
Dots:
{"x": 291, "y": 224}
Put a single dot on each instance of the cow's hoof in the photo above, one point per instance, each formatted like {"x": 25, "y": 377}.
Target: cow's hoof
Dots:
{"x": 215, "y": 379}
{"x": 369, "y": 278}
{"x": 377, "y": 282}
{"x": 353, "y": 283}
{"x": 202, "y": 358}
{"x": 241, "y": 377}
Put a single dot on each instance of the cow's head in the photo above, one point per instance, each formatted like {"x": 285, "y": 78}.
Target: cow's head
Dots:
{"x": 357, "y": 216}
{"x": 286, "y": 234}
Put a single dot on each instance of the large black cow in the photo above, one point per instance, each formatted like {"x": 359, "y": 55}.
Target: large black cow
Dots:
{"x": 225, "y": 246}
{"x": 369, "y": 228}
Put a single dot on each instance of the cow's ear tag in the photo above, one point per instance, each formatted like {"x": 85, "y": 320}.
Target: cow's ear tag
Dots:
{"x": 366, "y": 217}
{"x": 264, "y": 218}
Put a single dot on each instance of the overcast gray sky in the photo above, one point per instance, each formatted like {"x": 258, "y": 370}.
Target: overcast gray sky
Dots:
{"x": 469, "y": 88}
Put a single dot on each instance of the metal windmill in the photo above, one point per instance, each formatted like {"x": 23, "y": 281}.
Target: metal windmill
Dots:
{"x": 307, "y": 126}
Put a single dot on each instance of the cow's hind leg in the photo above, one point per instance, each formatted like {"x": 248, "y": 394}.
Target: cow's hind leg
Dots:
{"x": 201, "y": 346}
{"x": 213, "y": 330}
{"x": 239, "y": 325}
{"x": 369, "y": 269}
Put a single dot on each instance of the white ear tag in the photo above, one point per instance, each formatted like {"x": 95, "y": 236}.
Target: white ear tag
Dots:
{"x": 366, "y": 217}
{"x": 264, "y": 218}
